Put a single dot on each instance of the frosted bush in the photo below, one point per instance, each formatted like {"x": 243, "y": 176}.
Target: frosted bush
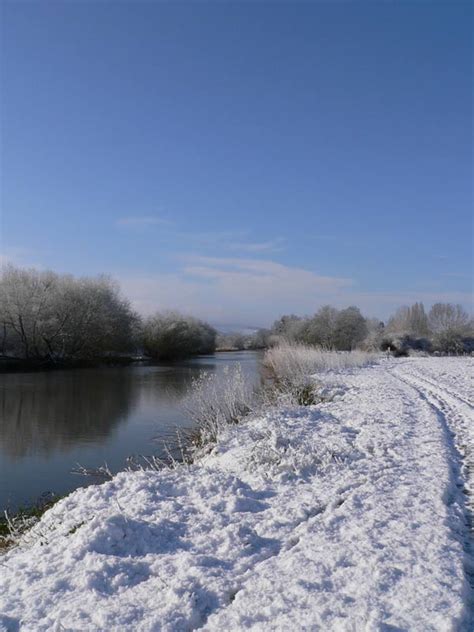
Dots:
{"x": 218, "y": 400}
{"x": 17, "y": 526}
{"x": 172, "y": 336}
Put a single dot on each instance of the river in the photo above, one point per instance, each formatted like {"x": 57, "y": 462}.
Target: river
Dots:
{"x": 52, "y": 421}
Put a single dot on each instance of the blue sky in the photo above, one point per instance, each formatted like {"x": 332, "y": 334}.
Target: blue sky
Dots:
{"x": 242, "y": 160}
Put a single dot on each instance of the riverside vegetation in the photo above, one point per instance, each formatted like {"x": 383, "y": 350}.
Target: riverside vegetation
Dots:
{"x": 48, "y": 319}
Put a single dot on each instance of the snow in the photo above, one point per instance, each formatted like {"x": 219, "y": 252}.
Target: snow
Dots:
{"x": 350, "y": 515}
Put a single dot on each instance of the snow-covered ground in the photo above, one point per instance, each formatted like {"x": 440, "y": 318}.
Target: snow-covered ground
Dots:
{"x": 351, "y": 515}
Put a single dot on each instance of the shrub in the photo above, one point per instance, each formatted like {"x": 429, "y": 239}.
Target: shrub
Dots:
{"x": 402, "y": 344}
{"x": 452, "y": 328}
{"x": 17, "y": 528}
{"x": 172, "y": 336}
{"x": 216, "y": 401}
{"x": 449, "y": 341}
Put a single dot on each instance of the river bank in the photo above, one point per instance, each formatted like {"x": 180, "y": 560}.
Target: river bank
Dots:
{"x": 349, "y": 514}
{"x": 52, "y": 420}
{"x": 21, "y": 365}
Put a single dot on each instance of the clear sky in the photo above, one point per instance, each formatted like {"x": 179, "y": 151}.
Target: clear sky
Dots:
{"x": 242, "y": 160}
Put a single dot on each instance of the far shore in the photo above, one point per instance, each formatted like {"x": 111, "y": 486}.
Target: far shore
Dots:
{"x": 10, "y": 364}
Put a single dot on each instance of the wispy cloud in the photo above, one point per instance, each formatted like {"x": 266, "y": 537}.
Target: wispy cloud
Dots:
{"x": 273, "y": 245}
{"x": 237, "y": 240}
{"x": 229, "y": 290}
{"x": 143, "y": 220}
{"x": 246, "y": 290}
{"x": 258, "y": 271}
{"x": 214, "y": 239}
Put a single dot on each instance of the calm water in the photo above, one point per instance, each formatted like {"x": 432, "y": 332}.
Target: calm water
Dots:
{"x": 51, "y": 421}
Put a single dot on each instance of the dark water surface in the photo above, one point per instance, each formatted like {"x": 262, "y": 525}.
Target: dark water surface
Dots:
{"x": 51, "y": 421}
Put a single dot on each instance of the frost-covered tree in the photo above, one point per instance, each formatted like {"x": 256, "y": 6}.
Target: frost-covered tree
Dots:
{"x": 27, "y": 308}
{"x": 321, "y": 327}
{"x": 329, "y": 327}
{"x": 97, "y": 318}
{"x": 261, "y": 339}
{"x": 419, "y": 320}
{"x": 375, "y": 334}
{"x": 172, "y": 336}
{"x": 400, "y": 321}
{"x": 350, "y": 329}
{"x": 447, "y": 317}
{"x": 447, "y": 329}
{"x": 452, "y": 328}
{"x": 44, "y": 315}
{"x": 232, "y": 340}
{"x": 410, "y": 320}
{"x": 289, "y": 327}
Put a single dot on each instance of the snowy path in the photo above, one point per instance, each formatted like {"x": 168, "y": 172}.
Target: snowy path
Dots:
{"x": 456, "y": 414}
{"x": 352, "y": 516}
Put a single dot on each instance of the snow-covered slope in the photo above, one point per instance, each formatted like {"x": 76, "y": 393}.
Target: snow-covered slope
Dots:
{"x": 346, "y": 516}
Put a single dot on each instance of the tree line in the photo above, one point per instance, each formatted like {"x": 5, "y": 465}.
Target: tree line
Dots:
{"x": 445, "y": 328}
{"x": 51, "y": 318}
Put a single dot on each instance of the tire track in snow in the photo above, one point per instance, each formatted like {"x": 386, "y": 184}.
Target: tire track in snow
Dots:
{"x": 456, "y": 417}
{"x": 442, "y": 389}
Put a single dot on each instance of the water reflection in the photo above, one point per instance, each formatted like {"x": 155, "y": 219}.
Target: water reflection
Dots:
{"x": 51, "y": 421}
{"x": 45, "y": 412}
